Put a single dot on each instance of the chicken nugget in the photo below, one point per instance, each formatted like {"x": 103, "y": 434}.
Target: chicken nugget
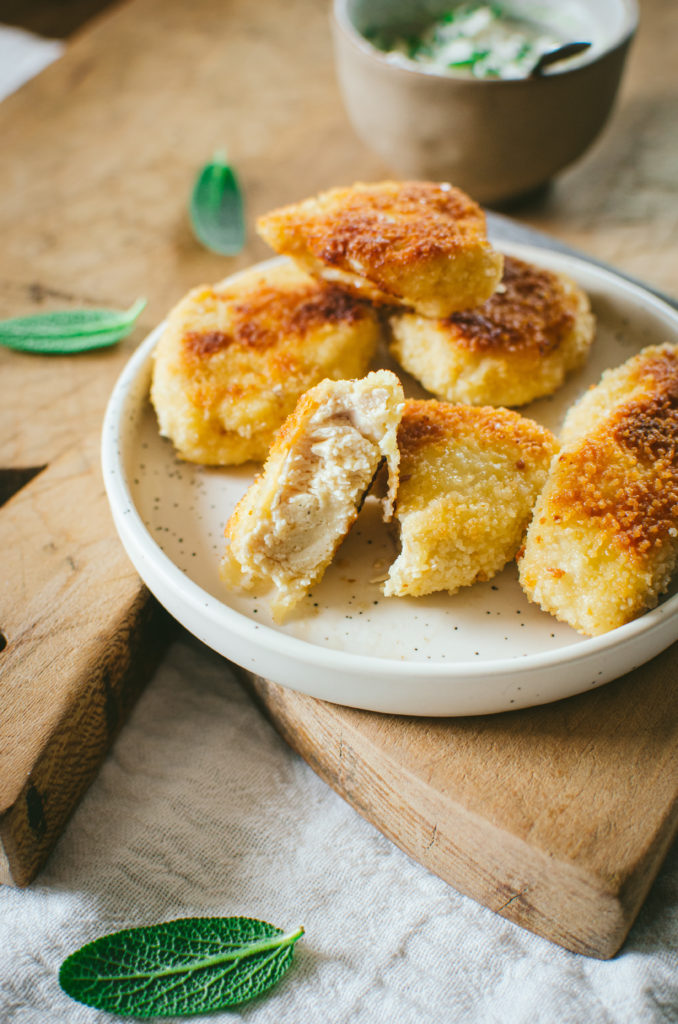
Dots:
{"x": 234, "y": 358}
{"x": 469, "y": 477}
{"x": 517, "y": 346}
{"x": 286, "y": 528}
{"x": 413, "y": 243}
{"x": 603, "y": 543}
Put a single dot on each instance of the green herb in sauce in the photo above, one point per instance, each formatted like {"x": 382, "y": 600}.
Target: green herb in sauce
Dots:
{"x": 474, "y": 39}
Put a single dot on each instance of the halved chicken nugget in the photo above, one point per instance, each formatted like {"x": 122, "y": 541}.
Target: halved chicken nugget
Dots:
{"x": 516, "y": 347}
{"x": 286, "y": 528}
{"x": 234, "y": 358}
{"x": 603, "y": 543}
{"x": 413, "y": 243}
{"x": 469, "y": 477}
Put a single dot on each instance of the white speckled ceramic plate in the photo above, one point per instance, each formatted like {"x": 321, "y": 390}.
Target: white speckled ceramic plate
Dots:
{"x": 483, "y": 650}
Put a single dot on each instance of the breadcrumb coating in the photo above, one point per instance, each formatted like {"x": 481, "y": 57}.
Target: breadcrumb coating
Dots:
{"x": 235, "y": 357}
{"x": 518, "y": 346}
{"x": 603, "y": 543}
{"x": 469, "y": 477}
{"x": 417, "y": 244}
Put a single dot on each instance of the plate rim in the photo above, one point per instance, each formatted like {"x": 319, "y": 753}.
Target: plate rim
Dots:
{"x": 133, "y": 531}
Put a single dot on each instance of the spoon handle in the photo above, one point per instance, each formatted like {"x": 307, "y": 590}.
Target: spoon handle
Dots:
{"x": 560, "y": 53}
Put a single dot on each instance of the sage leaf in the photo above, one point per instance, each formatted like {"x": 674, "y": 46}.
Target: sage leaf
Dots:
{"x": 188, "y": 966}
{"x": 217, "y": 208}
{"x": 70, "y": 330}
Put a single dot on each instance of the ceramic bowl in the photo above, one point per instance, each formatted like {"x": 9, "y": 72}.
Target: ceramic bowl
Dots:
{"x": 496, "y": 139}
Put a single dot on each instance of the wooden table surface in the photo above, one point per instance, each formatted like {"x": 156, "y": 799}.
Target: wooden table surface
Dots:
{"x": 619, "y": 203}
{"x": 100, "y": 151}
{"x": 98, "y": 155}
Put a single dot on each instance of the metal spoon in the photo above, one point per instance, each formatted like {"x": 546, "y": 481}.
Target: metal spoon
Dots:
{"x": 553, "y": 56}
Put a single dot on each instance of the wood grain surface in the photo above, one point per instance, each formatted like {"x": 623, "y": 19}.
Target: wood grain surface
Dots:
{"x": 82, "y": 636}
{"x": 104, "y": 146}
{"x": 557, "y": 818}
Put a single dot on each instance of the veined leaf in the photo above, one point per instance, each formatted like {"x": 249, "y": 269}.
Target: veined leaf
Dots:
{"x": 217, "y": 209}
{"x": 69, "y": 330}
{"x": 188, "y": 966}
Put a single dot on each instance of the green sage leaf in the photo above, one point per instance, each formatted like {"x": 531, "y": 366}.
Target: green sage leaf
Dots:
{"x": 70, "y": 330}
{"x": 188, "y": 966}
{"x": 217, "y": 208}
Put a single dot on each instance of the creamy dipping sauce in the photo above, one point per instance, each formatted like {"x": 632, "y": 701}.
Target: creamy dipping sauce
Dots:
{"x": 477, "y": 40}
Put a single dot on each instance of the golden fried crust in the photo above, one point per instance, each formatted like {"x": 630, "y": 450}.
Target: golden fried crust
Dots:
{"x": 517, "y": 346}
{"x": 604, "y": 541}
{"x": 469, "y": 477}
{"x": 529, "y": 310}
{"x": 417, "y": 244}
{"x": 428, "y": 424}
{"x": 235, "y": 357}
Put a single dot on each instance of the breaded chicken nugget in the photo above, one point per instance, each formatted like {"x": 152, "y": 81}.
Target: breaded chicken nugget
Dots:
{"x": 234, "y": 359}
{"x": 286, "y": 528}
{"x": 603, "y": 543}
{"x": 516, "y": 347}
{"x": 413, "y": 243}
{"x": 469, "y": 477}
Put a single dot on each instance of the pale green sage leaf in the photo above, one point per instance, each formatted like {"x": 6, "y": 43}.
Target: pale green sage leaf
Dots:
{"x": 217, "y": 208}
{"x": 70, "y": 330}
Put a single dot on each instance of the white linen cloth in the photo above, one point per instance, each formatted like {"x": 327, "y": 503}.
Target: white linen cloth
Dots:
{"x": 22, "y": 55}
{"x": 201, "y": 809}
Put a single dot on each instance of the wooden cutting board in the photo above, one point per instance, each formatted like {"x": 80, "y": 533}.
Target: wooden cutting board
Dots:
{"x": 559, "y": 817}
{"x": 81, "y": 636}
